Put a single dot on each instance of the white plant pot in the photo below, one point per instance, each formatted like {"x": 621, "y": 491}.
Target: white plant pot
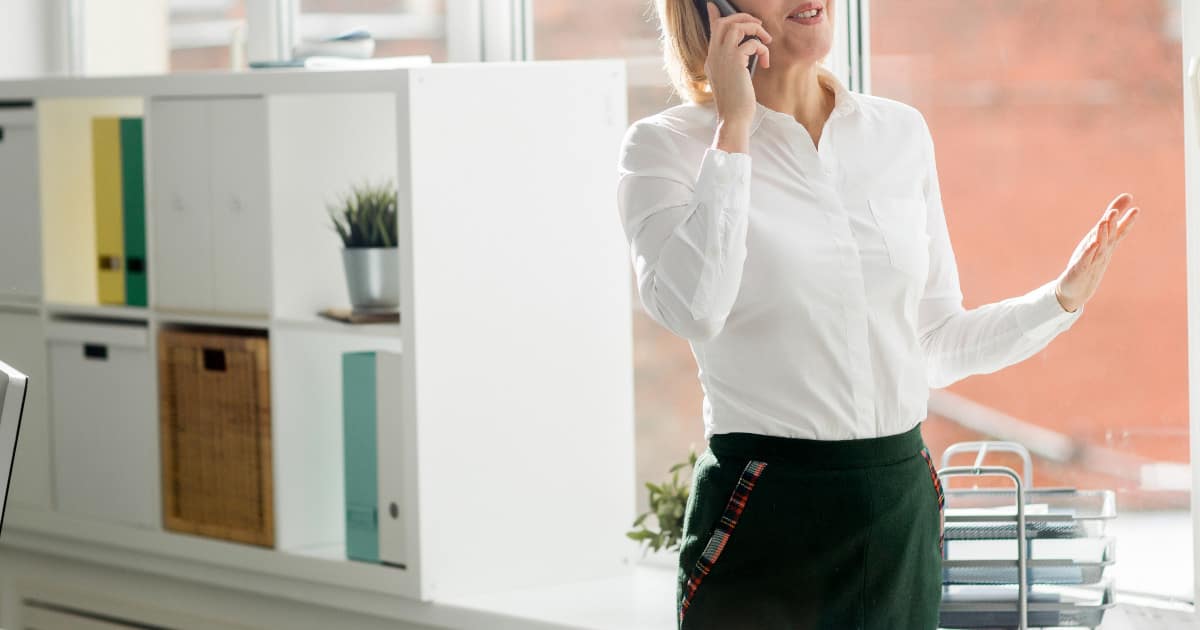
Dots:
{"x": 373, "y": 277}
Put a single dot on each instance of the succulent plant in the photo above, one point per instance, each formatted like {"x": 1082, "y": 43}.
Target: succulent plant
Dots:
{"x": 366, "y": 216}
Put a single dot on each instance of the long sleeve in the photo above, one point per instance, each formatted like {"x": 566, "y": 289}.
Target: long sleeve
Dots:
{"x": 958, "y": 342}
{"x": 687, "y": 230}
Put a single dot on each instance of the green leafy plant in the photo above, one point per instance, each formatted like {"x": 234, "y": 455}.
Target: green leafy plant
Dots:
{"x": 667, "y": 503}
{"x": 366, "y": 216}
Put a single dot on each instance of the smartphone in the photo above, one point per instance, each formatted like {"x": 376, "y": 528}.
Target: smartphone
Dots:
{"x": 727, "y": 9}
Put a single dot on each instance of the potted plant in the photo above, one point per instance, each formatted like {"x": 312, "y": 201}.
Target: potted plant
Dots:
{"x": 365, "y": 219}
{"x": 668, "y": 501}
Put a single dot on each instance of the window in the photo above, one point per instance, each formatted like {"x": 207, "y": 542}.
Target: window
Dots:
{"x": 400, "y": 27}
{"x": 203, "y": 31}
{"x": 564, "y": 29}
{"x": 1037, "y": 125}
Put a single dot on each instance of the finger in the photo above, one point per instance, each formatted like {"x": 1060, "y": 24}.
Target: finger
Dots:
{"x": 718, "y": 23}
{"x": 757, "y": 30}
{"x": 736, "y": 18}
{"x": 1127, "y": 223}
{"x": 738, "y": 31}
{"x": 1120, "y": 202}
{"x": 1105, "y": 221}
{"x": 751, "y": 47}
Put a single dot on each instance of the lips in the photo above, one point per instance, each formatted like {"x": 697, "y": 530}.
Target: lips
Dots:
{"x": 805, "y": 7}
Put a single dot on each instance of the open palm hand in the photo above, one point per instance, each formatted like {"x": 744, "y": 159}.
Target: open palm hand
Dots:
{"x": 1082, "y": 276}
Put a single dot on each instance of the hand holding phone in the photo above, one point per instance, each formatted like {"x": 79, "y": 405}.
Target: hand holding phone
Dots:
{"x": 733, "y": 43}
{"x": 727, "y": 9}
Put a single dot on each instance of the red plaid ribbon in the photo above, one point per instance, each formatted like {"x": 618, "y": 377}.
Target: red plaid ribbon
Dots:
{"x": 941, "y": 497}
{"x": 716, "y": 543}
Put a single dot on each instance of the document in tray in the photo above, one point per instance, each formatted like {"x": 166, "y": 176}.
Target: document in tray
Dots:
{"x": 1031, "y": 509}
{"x": 1040, "y": 594}
{"x": 995, "y": 594}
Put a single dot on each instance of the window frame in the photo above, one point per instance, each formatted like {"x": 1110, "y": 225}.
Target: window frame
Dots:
{"x": 1190, "y": 16}
{"x": 475, "y": 31}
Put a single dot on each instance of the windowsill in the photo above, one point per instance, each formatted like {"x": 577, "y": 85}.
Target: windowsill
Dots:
{"x": 642, "y": 600}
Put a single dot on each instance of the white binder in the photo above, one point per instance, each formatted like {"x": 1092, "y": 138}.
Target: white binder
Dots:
{"x": 393, "y": 443}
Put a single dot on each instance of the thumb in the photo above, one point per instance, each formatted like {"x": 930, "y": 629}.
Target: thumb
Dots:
{"x": 710, "y": 7}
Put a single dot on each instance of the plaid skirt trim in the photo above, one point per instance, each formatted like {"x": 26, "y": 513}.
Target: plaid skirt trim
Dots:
{"x": 941, "y": 498}
{"x": 716, "y": 543}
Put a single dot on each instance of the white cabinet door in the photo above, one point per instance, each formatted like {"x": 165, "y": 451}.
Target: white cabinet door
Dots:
{"x": 20, "y": 238}
{"x": 179, "y": 166}
{"x": 105, "y": 423}
{"x": 241, "y": 243}
{"x": 22, "y": 346}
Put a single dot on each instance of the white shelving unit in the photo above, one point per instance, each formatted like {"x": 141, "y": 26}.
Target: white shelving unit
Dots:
{"x": 515, "y": 320}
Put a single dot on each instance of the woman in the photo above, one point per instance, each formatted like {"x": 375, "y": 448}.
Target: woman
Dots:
{"x": 793, "y": 232}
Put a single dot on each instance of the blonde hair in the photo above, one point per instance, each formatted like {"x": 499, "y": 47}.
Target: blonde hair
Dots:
{"x": 685, "y": 48}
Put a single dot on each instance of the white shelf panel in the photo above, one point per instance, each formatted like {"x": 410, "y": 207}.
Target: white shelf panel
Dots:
{"x": 224, "y": 83}
{"x": 182, "y": 318}
{"x": 9, "y": 305}
{"x": 99, "y": 311}
{"x": 317, "y": 323}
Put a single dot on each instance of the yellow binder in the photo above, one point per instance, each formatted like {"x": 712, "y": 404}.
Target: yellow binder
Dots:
{"x": 110, "y": 234}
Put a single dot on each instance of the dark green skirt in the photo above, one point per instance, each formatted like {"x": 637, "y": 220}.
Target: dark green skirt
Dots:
{"x": 809, "y": 534}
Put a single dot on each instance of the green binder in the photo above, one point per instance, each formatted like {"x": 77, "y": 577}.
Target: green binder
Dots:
{"x": 134, "y": 211}
{"x": 359, "y": 456}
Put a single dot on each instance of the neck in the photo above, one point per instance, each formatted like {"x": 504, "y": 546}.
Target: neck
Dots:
{"x": 796, "y": 89}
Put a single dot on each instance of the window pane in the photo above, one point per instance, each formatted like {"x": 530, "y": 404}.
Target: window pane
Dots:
{"x": 201, "y": 32}
{"x": 1041, "y": 113}
{"x": 400, "y": 27}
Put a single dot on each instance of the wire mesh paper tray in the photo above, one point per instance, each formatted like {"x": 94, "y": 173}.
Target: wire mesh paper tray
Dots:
{"x": 1005, "y": 518}
{"x": 995, "y": 607}
{"x": 1063, "y": 562}
{"x": 988, "y": 513}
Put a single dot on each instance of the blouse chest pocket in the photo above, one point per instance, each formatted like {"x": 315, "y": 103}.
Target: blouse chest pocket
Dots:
{"x": 901, "y": 221}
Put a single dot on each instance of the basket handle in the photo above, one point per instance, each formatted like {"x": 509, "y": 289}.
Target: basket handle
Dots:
{"x": 983, "y": 446}
{"x": 1004, "y": 471}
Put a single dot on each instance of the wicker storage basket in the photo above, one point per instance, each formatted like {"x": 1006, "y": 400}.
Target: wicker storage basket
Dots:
{"x": 216, "y": 435}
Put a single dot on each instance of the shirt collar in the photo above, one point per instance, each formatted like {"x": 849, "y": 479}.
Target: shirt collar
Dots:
{"x": 845, "y": 101}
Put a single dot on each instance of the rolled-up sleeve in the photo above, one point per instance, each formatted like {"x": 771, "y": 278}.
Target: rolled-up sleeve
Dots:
{"x": 686, "y": 227}
{"x": 958, "y": 342}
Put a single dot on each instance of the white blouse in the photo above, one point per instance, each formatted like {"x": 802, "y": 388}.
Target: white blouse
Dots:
{"x": 816, "y": 285}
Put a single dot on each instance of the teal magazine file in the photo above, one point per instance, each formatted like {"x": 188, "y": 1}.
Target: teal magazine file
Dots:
{"x": 360, "y": 456}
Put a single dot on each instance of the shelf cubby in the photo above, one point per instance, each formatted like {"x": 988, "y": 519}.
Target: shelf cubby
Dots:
{"x": 68, "y": 207}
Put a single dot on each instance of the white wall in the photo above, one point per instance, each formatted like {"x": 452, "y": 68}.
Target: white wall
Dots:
{"x": 25, "y": 38}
